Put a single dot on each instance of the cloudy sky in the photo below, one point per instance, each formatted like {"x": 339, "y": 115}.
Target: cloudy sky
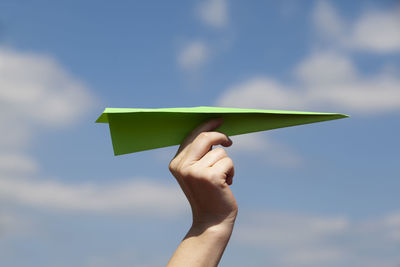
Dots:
{"x": 325, "y": 194}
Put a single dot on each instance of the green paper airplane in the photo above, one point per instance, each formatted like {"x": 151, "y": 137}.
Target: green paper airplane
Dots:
{"x": 134, "y": 130}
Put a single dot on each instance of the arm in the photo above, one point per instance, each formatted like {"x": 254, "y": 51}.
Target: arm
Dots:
{"x": 204, "y": 175}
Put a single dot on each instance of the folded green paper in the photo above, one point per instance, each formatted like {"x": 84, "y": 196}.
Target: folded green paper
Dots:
{"x": 134, "y": 130}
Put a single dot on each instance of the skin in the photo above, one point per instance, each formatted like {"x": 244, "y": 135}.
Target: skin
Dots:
{"x": 205, "y": 173}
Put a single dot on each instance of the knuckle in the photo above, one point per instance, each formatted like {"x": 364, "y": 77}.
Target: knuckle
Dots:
{"x": 172, "y": 170}
{"x": 172, "y": 165}
{"x": 229, "y": 161}
{"x": 203, "y": 135}
{"x": 177, "y": 168}
{"x": 220, "y": 151}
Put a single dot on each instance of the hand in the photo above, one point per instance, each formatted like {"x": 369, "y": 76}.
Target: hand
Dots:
{"x": 205, "y": 174}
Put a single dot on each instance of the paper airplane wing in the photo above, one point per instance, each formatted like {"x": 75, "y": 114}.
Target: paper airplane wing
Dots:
{"x": 134, "y": 130}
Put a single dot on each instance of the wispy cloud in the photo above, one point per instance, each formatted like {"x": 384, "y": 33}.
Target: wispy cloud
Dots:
{"x": 375, "y": 31}
{"x": 128, "y": 257}
{"x": 274, "y": 152}
{"x": 193, "y": 55}
{"x": 196, "y": 53}
{"x": 37, "y": 88}
{"x": 17, "y": 163}
{"x": 36, "y": 92}
{"x": 214, "y": 13}
{"x": 10, "y": 223}
{"x": 323, "y": 81}
{"x": 136, "y": 196}
{"x": 310, "y": 240}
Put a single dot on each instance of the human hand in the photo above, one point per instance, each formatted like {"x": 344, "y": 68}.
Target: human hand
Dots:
{"x": 205, "y": 174}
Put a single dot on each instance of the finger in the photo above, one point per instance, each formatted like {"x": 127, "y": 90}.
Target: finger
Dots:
{"x": 203, "y": 142}
{"x": 225, "y": 168}
{"x": 212, "y": 157}
{"x": 204, "y": 127}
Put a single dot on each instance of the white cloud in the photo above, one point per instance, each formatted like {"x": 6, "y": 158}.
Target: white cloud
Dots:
{"x": 249, "y": 143}
{"x": 273, "y": 151}
{"x": 392, "y": 222}
{"x": 373, "y": 31}
{"x": 193, "y": 55}
{"x": 17, "y": 163}
{"x": 19, "y": 131}
{"x": 214, "y": 13}
{"x": 324, "y": 68}
{"x": 260, "y": 92}
{"x": 134, "y": 196}
{"x": 36, "y": 88}
{"x": 327, "y": 21}
{"x": 36, "y": 91}
{"x": 326, "y": 80}
{"x": 280, "y": 229}
{"x": 307, "y": 240}
{"x": 378, "y": 31}
{"x": 331, "y": 79}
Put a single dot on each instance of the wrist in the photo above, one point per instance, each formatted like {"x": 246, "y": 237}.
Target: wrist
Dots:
{"x": 206, "y": 220}
{"x": 220, "y": 229}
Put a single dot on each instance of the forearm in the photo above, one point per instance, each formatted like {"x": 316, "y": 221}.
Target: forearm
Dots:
{"x": 202, "y": 246}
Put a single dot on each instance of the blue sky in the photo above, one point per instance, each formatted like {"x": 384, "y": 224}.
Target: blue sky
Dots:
{"x": 317, "y": 195}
